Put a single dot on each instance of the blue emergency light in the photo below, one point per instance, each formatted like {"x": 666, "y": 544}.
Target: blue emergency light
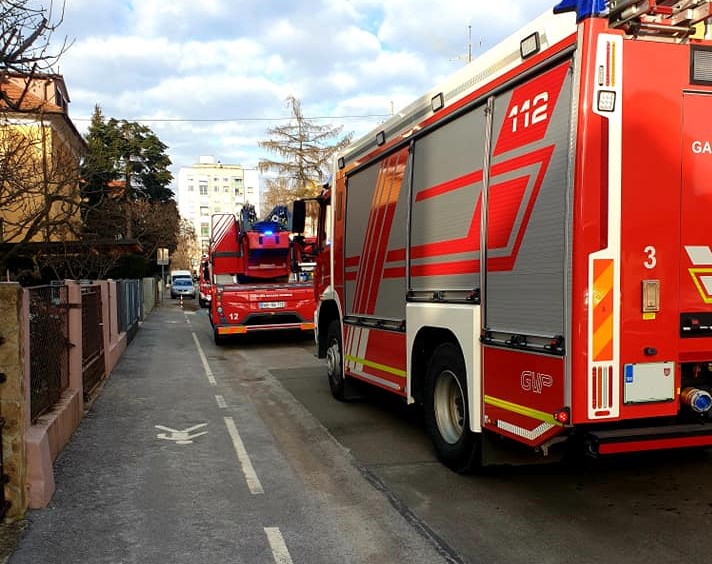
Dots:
{"x": 583, "y": 8}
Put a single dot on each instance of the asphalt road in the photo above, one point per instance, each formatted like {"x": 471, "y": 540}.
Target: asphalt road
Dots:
{"x": 633, "y": 509}
{"x": 343, "y": 482}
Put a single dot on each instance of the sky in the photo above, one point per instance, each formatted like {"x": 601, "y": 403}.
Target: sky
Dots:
{"x": 210, "y": 77}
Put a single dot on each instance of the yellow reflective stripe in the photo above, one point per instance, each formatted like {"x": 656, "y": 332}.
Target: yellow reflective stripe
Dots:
{"x": 370, "y": 364}
{"x": 529, "y": 412}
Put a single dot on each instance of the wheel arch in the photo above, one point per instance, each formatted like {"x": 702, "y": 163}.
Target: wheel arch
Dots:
{"x": 424, "y": 344}
{"x": 328, "y": 311}
{"x": 430, "y": 324}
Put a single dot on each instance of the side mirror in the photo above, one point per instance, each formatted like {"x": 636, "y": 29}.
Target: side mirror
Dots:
{"x": 299, "y": 214}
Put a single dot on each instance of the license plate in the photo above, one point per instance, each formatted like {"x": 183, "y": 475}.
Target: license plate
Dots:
{"x": 271, "y": 305}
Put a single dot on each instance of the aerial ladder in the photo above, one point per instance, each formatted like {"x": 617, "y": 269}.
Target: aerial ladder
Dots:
{"x": 673, "y": 19}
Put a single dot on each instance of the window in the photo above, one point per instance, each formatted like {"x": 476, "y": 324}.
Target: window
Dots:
{"x": 190, "y": 187}
{"x": 203, "y": 189}
{"x": 238, "y": 192}
{"x": 205, "y": 229}
{"x": 216, "y": 209}
{"x": 204, "y": 210}
{"x": 226, "y": 188}
{"x": 250, "y": 189}
{"x": 216, "y": 188}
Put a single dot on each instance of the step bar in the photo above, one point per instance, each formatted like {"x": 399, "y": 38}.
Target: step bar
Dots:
{"x": 649, "y": 438}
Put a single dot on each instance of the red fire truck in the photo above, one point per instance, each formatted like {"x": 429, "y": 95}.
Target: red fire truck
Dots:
{"x": 526, "y": 250}
{"x": 254, "y": 274}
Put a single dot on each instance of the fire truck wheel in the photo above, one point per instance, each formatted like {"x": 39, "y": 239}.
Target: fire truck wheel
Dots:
{"x": 446, "y": 414}
{"x": 219, "y": 339}
{"x": 333, "y": 361}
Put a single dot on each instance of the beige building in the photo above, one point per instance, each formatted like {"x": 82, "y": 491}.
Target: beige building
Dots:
{"x": 41, "y": 151}
{"x": 209, "y": 187}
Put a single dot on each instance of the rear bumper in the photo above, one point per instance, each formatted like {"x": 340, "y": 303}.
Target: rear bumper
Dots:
{"x": 241, "y": 329}
{"x": 649, "y": 438}
{"x": 267, "y": 307}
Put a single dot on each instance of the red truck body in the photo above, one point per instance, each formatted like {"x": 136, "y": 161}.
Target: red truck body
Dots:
{"x": 252, "y": 283}
{"x": 526, "y": 250}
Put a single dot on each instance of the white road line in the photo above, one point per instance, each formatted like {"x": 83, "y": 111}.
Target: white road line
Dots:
{"x": 276, "y": 543}
{"x": 222, "y": 404}
{"x": 253, "y": 482}
{"x": 204, "y": 360}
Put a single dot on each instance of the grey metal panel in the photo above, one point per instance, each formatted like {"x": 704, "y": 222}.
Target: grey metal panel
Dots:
{"x": 390, "y": 303}
{"x": 446, "y": 154}
{"x": 359, "y": 196}
{"x": 372, "y": 194}
{"x": 530, "y": 298}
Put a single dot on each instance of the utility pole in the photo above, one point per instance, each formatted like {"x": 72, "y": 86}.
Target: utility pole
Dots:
{"x": 468, "y": 56}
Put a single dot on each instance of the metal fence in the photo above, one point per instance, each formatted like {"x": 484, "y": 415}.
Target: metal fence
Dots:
{"x": 49, "y": 347}
{"x": 93, "y": 367}
{"x": 129, "y": 300}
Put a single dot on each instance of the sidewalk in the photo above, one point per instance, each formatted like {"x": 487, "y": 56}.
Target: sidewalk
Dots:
{"x": 174, "y": 464}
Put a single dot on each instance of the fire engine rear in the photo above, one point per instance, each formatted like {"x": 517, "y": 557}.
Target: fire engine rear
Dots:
{"x": 525, "y": 250}
{"x": 251, "y": 267}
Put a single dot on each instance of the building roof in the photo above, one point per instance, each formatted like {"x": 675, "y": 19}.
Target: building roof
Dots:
{"x": 18, "y": 100}
{"x": 12, "y": 92}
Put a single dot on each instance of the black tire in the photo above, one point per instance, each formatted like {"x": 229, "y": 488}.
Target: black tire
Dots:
{"x": 447, "y": 419}
{"x": 219, "y": 339}
{"x": 334, "y": 365}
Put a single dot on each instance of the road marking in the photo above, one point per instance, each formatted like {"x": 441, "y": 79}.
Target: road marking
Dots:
{"x": 181, "y": 437}
{"x": 253, "y": 482}
{"x": 204, "y": 360}
{"x": 279, "y": 548}
{"x": 222, "y": 404}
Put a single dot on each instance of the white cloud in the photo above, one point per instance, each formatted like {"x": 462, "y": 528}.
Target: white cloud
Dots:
{"x": 237, "y": 62}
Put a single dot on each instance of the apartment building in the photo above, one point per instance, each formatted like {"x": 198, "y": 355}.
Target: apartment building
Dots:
{"x": 209, "y": 187}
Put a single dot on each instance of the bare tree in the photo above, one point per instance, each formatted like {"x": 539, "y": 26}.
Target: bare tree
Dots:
{"x": 186, "y": 247}
{"x": 278, "y": 191}
{"x": 26, "y": 49}
{"x": 39, "y": 175}
{"x": 79, "y": 260}
{"x": 306, "y": 150}
{"x": 155, "y": 224}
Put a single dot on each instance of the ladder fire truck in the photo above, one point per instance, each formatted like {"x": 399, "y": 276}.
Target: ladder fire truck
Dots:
{"x": 526, "y": 249}
{"x": 253, "y": 269}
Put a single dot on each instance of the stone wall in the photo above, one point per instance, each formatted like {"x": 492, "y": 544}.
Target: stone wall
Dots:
{"x": 14, "y": 395}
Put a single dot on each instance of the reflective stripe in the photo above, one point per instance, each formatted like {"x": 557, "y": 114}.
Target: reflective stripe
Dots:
{"x": 382, "y": 367}
{"x": 231, "y": 330}
{"x": 522, "y": 410}
{"x": 603, "y": 272}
